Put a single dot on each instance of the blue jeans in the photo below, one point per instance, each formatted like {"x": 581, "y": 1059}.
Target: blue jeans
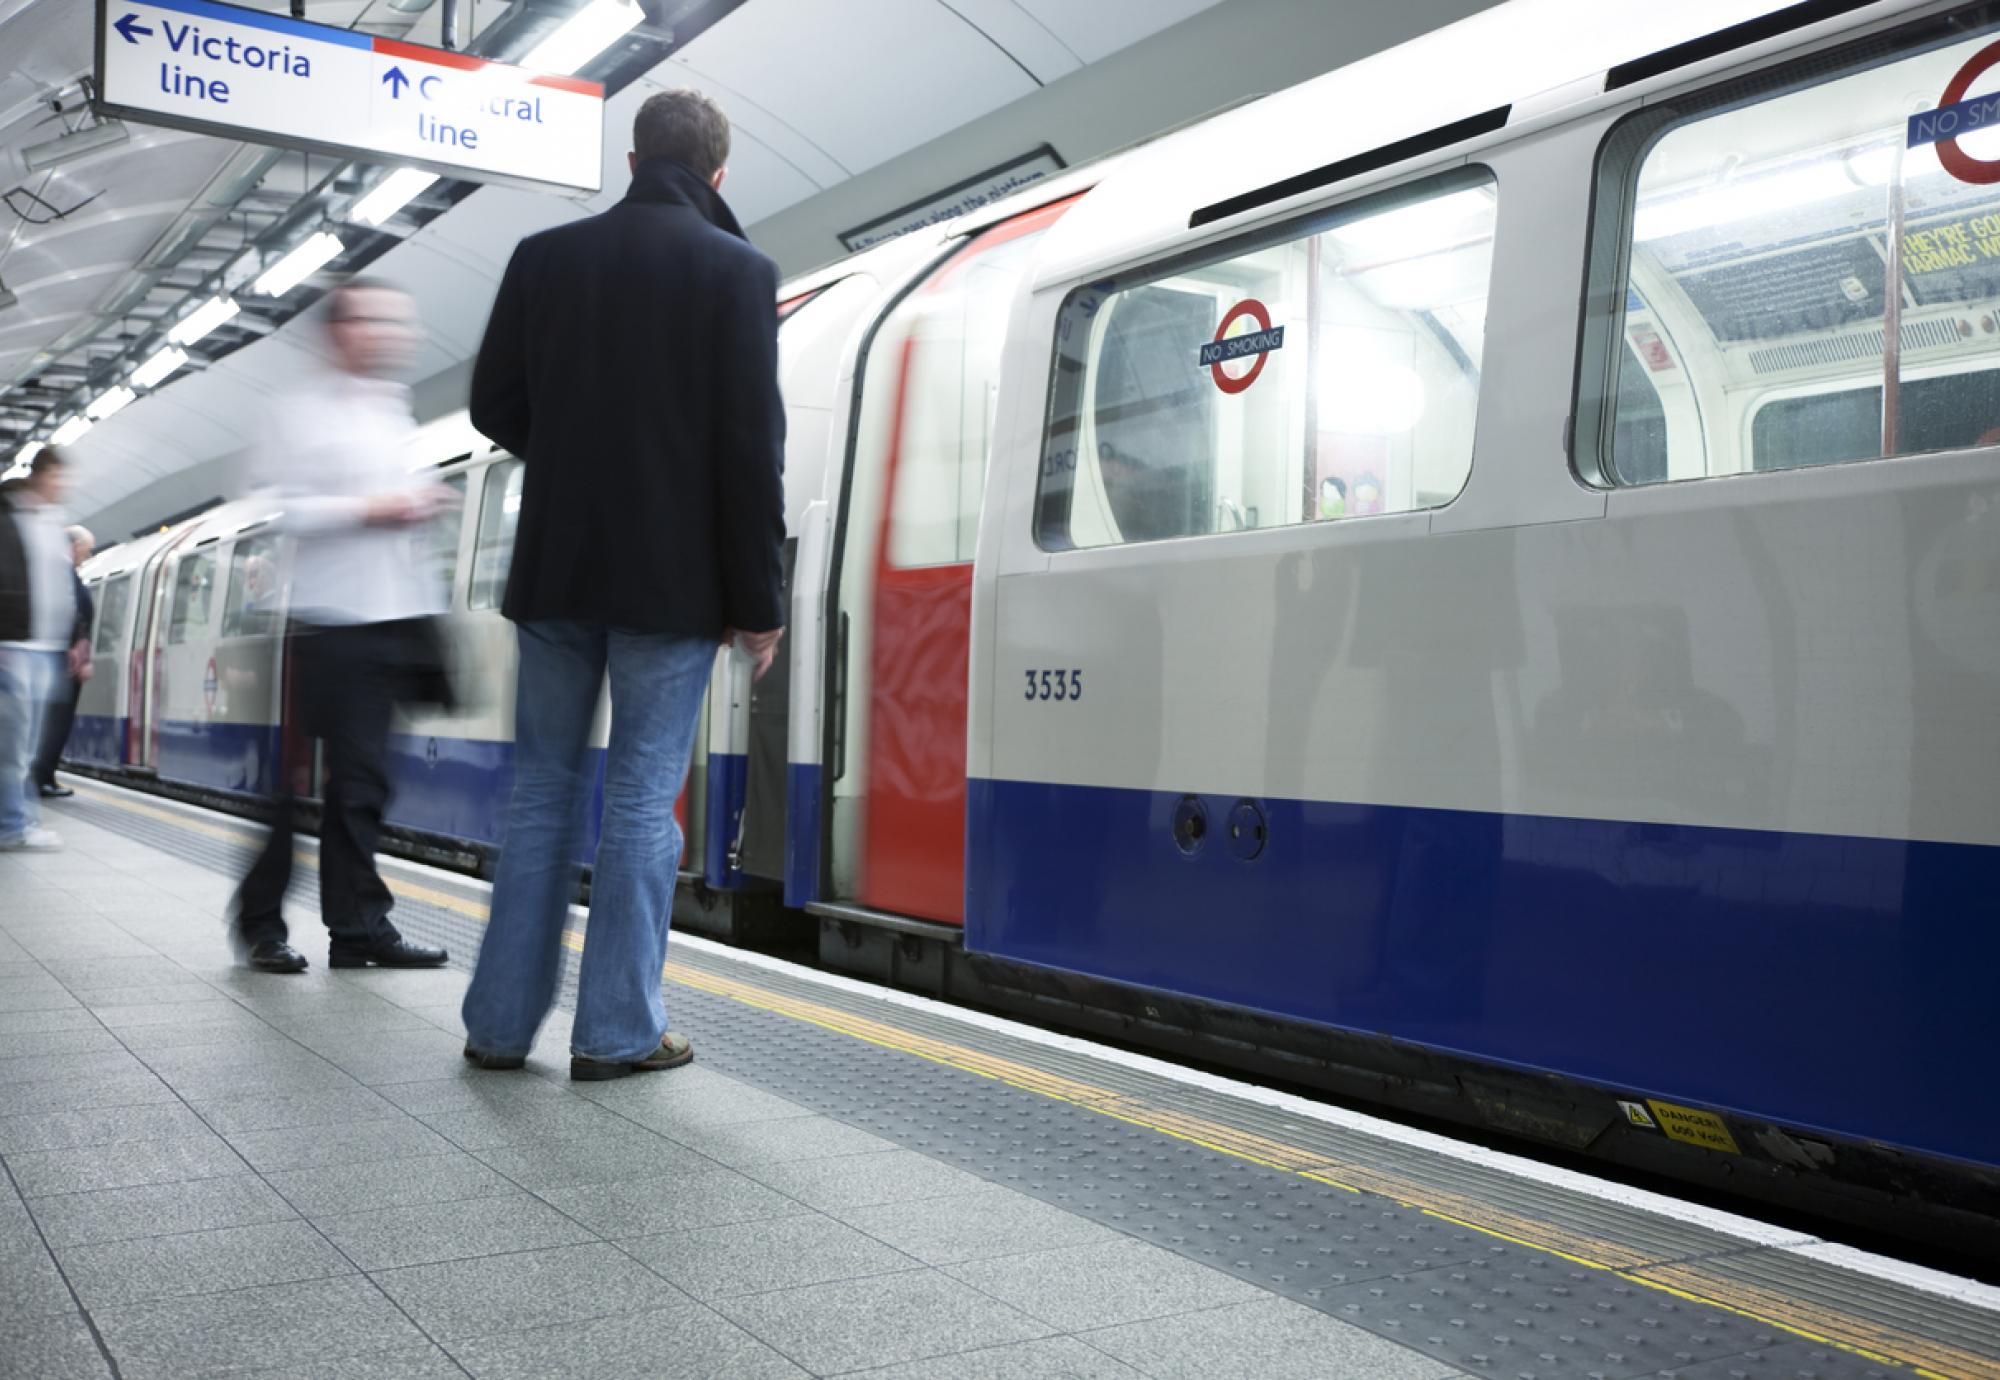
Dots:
{"x": 28, "y": 678}
{"x": 657, "y": 683}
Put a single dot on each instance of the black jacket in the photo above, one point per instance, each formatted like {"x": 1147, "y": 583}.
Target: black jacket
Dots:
{"x": 17, "y": 614}
{"x": 86, "y": 611}
{"x": 632, "y": 361}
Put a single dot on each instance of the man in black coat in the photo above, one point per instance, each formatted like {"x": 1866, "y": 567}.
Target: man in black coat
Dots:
{"x": 631, "y": 361}
{"x": 61, "y": 716}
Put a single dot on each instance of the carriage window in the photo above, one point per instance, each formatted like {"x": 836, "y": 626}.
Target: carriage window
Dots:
{"x": 114, "y": 600}
{"x": 194, "y": 585}
{"x": 1318, "y": 377}
{"x": 499, "y": 513}
{"x": 1794, "y": 272}
{"x": 252, "y": 608}
{"x": 440, "y": 548}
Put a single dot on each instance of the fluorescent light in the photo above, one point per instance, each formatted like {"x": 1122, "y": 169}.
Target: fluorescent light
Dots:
{"x": 25, "y": 456}
{"x": 391, "y": 195}
{"x": 109, "y": 402}
{"x": 1422, "y": 226}
{"x": 42, "y": 157}
{"x": 70, "y": 430}
{"x": 203, "y": 319}
{"x": 583, "y": 36}
{"x": 307, "y": 259}
{"x": 163, "y": 363}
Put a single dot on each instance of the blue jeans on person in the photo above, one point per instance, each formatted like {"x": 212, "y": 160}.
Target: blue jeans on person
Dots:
{"x": 657, "y": 684}
{"x": 28, "y": 679}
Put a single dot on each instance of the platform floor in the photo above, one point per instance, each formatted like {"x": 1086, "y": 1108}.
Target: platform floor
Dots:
{"x": 210, "y": 1170}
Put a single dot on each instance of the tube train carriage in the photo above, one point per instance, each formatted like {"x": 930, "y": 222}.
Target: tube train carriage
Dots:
{"x": 1398, "y": 586}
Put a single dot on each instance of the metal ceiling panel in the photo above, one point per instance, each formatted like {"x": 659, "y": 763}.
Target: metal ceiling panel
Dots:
{"x": 1015, "y": 30}
{"x": 1099, "y": 28}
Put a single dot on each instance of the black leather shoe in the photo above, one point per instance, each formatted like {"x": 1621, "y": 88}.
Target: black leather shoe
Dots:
{"x": 57, "y": 792}
{"x": 276, "y": 956}
{"x": 386, "y": 953}
{"x": 480, "y": 1059}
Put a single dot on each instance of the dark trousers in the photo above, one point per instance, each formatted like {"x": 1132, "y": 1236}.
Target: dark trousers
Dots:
{"x": 347, "y": 683}
{"x": 55, "y": 732}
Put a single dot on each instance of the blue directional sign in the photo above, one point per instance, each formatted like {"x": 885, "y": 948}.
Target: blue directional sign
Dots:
{"x": 248, "y": 74}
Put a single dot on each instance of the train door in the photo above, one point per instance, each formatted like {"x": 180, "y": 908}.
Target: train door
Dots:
{"x": 187, "y": 684}
{"x": 903, "y": 563}
{"x": 99, "y": 733}
{"x": 143, "y": 671}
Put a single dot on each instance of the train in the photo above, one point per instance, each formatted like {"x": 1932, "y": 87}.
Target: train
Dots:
{"x": 1472, "y": 583}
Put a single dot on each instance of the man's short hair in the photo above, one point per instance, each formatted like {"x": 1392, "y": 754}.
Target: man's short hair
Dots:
{"x": 339, "y": 299}
{"x": 47, "y": 458}
{"x": 685, "y": 126}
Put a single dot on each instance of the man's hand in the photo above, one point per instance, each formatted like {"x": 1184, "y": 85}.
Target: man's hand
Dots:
{"x": 760, "y": 647}
{"x": 79, "y": 661}
{"x": 408, "y": 508}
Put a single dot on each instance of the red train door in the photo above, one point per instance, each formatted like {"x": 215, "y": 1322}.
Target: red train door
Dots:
{"x": 942, "y": 348}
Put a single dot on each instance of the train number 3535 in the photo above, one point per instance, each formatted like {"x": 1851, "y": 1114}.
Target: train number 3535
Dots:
{"x": 1055, "y": 685}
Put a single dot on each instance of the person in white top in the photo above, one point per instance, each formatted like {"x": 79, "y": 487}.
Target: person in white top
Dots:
{"x": 37, "y": 614}
{"x": 334, "y": 457}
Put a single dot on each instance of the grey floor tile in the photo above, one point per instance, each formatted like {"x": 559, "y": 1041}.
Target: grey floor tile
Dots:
{"x": 122, "y": 1214}
{"x": 122, "y": 1008}
{"x": 312, "y": 1147}
{"x": 546, "y": 1165}
{"x": 1052, "y": 1358}
{"x": 290, "y": 1111}
{"x": 393, "y": 1237}
{"x": 30, "y": 1283}
{"x": 124, "y": 1165}
{"x": 471, "y": 1090}
{"x": 850, "y": 1181}
{"x": 22, "y": 1043}
{"x": 145, "y": 971}
{"x": 755, "y": 1257}
{"x": 739, "y": 1143}
{"x": 707, "y": 1196}
{"x": 237, "y": 1030}
{"x": 65, "y": 1068}
{"x": 1274, "y": 1339}
{"x": 509, "y": 1293}
{"x": 686, "y": 1342}
{"x": 53, "y": 1346}
{"x": 346, "y": 1188}
{"x": 281, "y": 1325}
{"x": 691, "y": 1096}
{"x": 528, "y": 1120}
{"x": 1081, "y": 1287}
{"x": 256, "y": 1079}
{"x": 34, "y": 994}
{"x": 101, "y": 1126}
{"x": 976, "y": 1226}
{"x": 330, "y": 1031}
{"x": 202, "y": 1262}
{"x": 829, "y": 1328}
{"x": 13, "y": 1023}
{"x": 120, "y": 1090}
{"x": 404, "y": 1363}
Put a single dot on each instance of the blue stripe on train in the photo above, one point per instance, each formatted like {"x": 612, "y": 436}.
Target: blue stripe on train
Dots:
{"x": 727, "y": 785}
{"x": 1824, "y": 982}
{"x": 221, "y": 756}
{"x": 802, "y": 811}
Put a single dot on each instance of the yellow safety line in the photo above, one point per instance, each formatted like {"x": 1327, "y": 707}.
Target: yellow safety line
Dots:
{"x": 1689, "y": 1283}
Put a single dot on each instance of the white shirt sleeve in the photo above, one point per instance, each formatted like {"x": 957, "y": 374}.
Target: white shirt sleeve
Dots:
{"x": 285, "y": 468}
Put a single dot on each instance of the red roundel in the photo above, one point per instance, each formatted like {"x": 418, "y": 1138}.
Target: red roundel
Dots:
{"x": 1253, "y": 309}
{"x": 1960, "y": 164}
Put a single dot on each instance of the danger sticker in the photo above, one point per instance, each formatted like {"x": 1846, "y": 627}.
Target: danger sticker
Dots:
{"x": 1694, "y": 1126}
{"x": 1636, "y": 1113}
{"x": 1246, "y": 333}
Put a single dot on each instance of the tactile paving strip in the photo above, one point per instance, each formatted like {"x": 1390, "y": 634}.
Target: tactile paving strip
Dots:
{"x": 1487, "y": 1305}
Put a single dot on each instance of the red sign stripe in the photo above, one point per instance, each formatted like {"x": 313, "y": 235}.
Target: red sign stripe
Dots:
{"x": 465, "y": 62}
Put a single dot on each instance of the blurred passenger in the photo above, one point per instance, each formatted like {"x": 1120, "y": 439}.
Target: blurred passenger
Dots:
{"x": 334, "y": 454}
{"x": 37, "y": 615}
{"x": 77, "y": 663}
{"x": 631, "y": 361}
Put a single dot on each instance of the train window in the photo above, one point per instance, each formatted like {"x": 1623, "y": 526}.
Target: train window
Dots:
{"x": 1323, "y": 372}
{"x": 194, "y": 586}
{"x": 114, "y": 601}
{"x": 1788, "y": 272}
{"x": 254, "y": 603}
{"x": 942, "y": 349}
{"x": 499, "y": 513}
{"x": 440, "y": 543}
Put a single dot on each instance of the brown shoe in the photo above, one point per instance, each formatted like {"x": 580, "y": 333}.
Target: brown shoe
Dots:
{"x": 674, "y": 1051}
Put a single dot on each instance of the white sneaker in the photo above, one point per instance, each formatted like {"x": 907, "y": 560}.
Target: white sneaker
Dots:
{"x": 36, "y": 840}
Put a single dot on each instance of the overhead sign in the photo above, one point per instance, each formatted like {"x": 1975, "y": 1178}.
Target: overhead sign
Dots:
{"x": 956, "y": 200}
{"x": 244, "y": 74}
{"x": 1957, "y": 116}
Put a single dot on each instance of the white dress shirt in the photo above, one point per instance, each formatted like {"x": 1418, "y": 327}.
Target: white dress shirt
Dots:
{"x": 328, "y": 447}
{"x": 51, "y": 577}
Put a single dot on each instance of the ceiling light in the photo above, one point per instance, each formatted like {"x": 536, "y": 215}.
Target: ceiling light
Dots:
{"x": 7, "y": 299}
{"x": 109, "y": 402}
{"x": 204, "y": 319}
{"x": 583, "y": 36}
{"x": 159, "y": 366}
{"x": 25, "y": 456}
{"x": 70, "y": 430}
{"x": 77, "y": 143}
{"x": 391, "y": 195}
{"x": 312, "y": 254}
